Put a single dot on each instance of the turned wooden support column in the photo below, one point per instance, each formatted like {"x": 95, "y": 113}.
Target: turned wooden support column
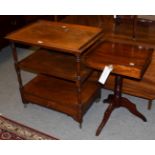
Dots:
{"x": 127, "y": 61}
{"x": 18, "y": 72}
{"x": 15, "y": 57}
{"x": 78, "y": 84}
{"x": 115, "y": 101}
{"x": 118, "y": 86}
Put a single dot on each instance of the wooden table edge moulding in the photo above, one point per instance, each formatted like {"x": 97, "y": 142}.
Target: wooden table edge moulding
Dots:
{"x": 128, "y": 61}
{"x": 63, "y": 82}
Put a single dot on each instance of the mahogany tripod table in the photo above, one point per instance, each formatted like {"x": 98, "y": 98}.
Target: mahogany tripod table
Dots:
{"x": 129, "y": 61}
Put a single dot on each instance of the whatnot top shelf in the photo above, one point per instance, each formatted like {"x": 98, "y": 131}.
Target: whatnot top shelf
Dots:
{"x": 54, "y": 63}
{"x": 60, "y": 94}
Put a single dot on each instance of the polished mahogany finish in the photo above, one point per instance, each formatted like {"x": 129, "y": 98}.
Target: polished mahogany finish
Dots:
{"x": 10, "y": 23}
{"x": 54, "y": 63}
{"x": 60, "y": 95}
{"x": 143, "y": 36}
{"x": 128, "y": 61}
{"x": 122, "y": 30}
{"x": 63, "y": 82}
{"x": 68, "y": 38}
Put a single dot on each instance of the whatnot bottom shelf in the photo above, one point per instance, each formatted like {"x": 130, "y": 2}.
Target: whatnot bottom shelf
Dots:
{"x": 61, "y": 95}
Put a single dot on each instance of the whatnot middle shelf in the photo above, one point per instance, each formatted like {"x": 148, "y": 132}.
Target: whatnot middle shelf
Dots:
{"x": 54, "y": 63}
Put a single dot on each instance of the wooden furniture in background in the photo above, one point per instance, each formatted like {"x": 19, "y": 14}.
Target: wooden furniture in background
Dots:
{"x": 62, "y": 83}
{"x": 128, "y": 61}
{"x": 129, "y": 19}
{"x": 8, "y": 24}
{"x": 122, "y": 32}
{"x": 144, "y": 36}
